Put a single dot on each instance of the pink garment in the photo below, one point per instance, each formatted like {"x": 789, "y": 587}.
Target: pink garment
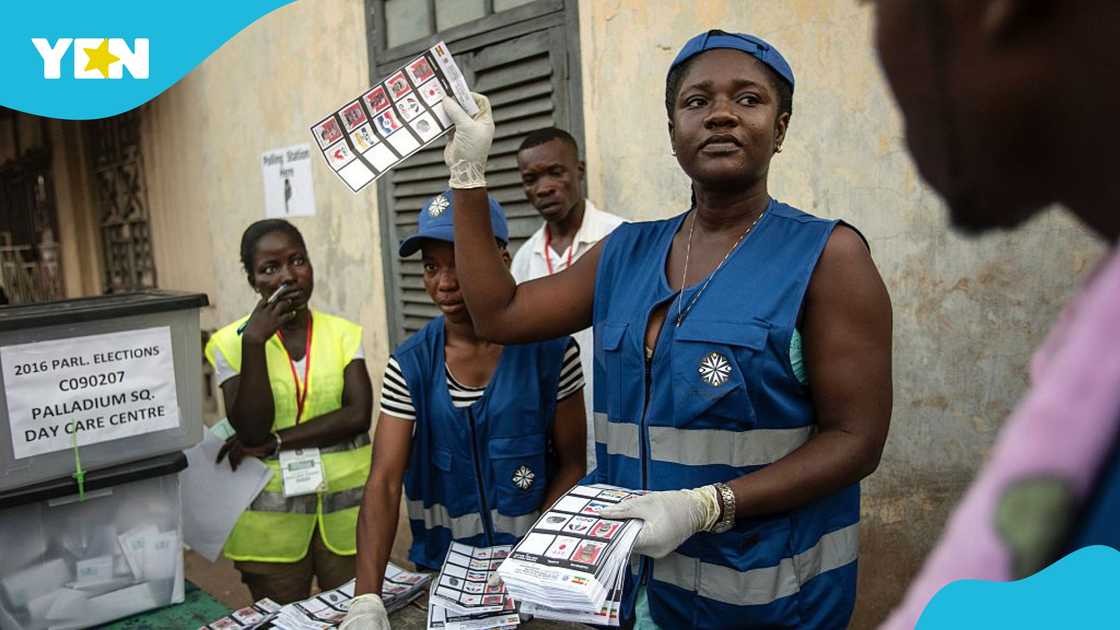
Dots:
{"x": 1062, "y": 430}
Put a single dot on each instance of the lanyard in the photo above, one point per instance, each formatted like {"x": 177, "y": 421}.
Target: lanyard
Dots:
{"x": 548, "y": 249}
{"x": 301, "y": 394}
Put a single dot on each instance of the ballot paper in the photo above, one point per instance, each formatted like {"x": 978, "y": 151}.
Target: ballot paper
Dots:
{"x": 378, "y": 129}
{"x": 571, "y": 565}
{"x": 607, "y": 615}
{"x": 440, "y": 618}
{"x": 214, "y": 496}
{"x": 465, "y": 585}
{"x": 247, "y": 618}
{"x": 327, "y": 609}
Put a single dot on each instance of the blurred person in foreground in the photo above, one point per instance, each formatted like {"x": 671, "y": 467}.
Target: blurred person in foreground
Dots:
{"x": 1010, "y": 107}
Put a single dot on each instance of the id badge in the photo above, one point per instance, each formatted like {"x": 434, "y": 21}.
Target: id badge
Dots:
{"x": 301, "y": 471}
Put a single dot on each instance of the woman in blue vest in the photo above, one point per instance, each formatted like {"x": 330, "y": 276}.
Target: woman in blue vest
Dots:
{"x": 482, "y": 435}
{"x": 751, "y": 441}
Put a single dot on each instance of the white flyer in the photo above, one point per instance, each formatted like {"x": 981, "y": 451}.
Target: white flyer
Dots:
{"x": 214, "y": 496}
{"x": 97, "y": 388}
{"x": 301, "y": 470}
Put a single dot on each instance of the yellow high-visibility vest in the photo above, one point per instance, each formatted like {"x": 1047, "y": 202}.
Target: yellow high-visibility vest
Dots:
{"x": 275, "y": 529}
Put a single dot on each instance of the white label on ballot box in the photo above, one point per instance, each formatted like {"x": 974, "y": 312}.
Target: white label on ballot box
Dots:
{"x": 301, "y": 470}
{"x": 96, "y": 388}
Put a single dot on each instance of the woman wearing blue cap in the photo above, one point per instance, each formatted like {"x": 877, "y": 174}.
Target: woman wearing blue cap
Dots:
{"x": 482, "y": 435}
{"x": 751, "y": 442}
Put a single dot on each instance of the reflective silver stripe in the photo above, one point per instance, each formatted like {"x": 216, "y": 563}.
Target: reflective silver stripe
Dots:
{"x": 621, "y": 438}
{"x": 463, "y": 526}
{"x": 335, "y": 501}
{"x": 760, "y": 586}
{"x": 469, "y": 525}
{"x": 832, "y": 551}
{"x": 703, "y": 447}
{"x": 332, "y": 502}
{"x": 275, "y": 502}
{"x": 515, "y": 525}
{"x": 600, "y": 426}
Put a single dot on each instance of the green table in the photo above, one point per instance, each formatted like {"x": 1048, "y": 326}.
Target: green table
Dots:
{"x": 198, "y": 609}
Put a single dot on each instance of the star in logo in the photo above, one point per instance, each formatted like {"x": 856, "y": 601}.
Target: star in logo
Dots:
{"x": 523, "y": 477}
{"x": 439, "y": 204}
{"x": 100, "y": 58}
{"x": 714, "y": 369}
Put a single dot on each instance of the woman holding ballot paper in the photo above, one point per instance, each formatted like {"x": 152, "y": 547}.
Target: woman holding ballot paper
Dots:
{"x": 297, "y": 392}
{"x": 742, "y": 357}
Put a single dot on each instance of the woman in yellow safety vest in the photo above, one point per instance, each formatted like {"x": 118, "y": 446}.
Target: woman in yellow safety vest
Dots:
{"x": 296, "y": 390}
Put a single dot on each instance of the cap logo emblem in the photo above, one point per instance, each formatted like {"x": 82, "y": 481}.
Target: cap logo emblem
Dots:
{"x": 438, "y": 205}
{"x": 715, "y": 369}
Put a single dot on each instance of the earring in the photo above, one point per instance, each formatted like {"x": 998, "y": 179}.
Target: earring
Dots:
{"x": 673, "y": 151}
{"x": 778, "y": 149}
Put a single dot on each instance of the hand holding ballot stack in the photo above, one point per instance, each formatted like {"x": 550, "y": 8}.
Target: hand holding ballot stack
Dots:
{"x": 467, "y": 594}
{"x": 572, "y": 563}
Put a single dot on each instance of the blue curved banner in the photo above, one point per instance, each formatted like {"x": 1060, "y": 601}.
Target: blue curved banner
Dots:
{"x": 91, "y": 59}
{"x": 1078, "y": 591}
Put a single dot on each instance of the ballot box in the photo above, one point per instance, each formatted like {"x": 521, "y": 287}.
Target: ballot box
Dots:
{"x": 101, "y": 380}
{"x": 78, "y": 559}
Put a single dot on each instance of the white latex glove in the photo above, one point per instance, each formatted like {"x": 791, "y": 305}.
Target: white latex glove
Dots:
{"x": 469, "y": 143}
{"x": 671, "y": 517}
{"x": 366, "y": 613}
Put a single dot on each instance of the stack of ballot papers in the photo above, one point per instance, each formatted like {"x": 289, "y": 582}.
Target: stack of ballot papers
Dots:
{"x": 249, "y": 617}
{"x": 327, "y": 609}
{"x": 467, "y": 594}
{"x": 572, "y": 563}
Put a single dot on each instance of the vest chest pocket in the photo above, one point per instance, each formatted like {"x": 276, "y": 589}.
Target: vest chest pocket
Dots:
{"x": 518, "y": 465}
{"x": 610, "y": 337}
{"x": 712, "y": 371}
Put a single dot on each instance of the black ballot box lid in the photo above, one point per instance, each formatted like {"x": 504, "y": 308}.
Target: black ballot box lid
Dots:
{"x": 168, "y": 464}
{"x": 40, "y": 314}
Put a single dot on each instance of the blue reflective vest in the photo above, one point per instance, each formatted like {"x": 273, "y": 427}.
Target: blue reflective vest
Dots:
{"x": 477, "y": 475}
{"x": 719, "y": 399}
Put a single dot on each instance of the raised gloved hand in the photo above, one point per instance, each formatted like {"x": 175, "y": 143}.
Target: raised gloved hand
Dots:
{"x": 366, "y": 613}
{"x": 469, "y": 143}
{"x": 671, "y": 517}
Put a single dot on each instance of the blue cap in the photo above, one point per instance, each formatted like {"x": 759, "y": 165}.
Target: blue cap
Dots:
{"x": 436, "y": 223}
{"x": 753, "y": 46}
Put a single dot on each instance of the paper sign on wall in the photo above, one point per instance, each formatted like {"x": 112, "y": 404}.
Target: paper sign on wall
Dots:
{"x": 378, "y": 129}
{"x": 288, "y": 191}
{"x": 98, "y": 387}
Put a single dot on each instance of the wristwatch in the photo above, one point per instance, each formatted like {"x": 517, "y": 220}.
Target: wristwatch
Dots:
{"x": 276, "y": 449}
{"x": 727, "y": 511}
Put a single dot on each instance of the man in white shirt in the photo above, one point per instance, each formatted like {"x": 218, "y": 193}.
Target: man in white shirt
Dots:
{"x": 552, "y": 175}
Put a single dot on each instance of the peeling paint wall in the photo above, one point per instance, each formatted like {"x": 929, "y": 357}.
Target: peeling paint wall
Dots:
{"x": 968, "y": 312}
{"x": 203, "y": 141}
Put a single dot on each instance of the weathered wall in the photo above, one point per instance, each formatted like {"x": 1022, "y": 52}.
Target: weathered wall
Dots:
{"x": 967, "y": 312}
{"x": 203, "y": 141}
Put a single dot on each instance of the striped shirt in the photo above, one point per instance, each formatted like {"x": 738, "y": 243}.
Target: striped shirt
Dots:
{"x": 396, "y": 398}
